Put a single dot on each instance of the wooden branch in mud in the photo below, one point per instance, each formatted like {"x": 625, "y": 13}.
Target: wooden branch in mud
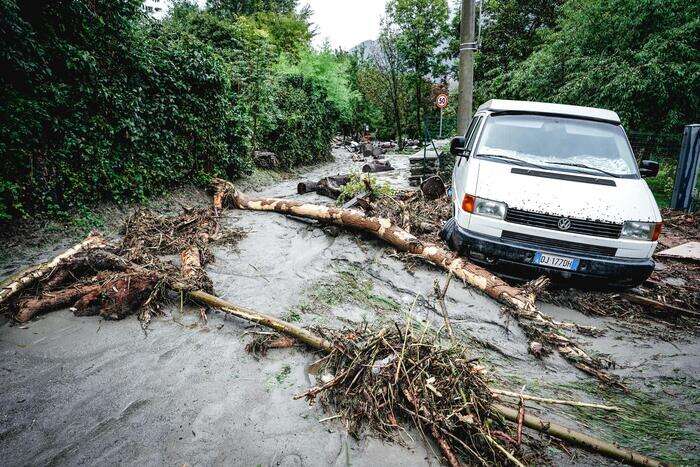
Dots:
{"x": 30, "y": 276}
{"x": 579, "y": 439}
{"x": 383, "y": 228}
{"x": 661, "y": 306}
{"x": 302, "y": 335}
{"x": 545, "y": 400}
{"x": 558, "y": 431}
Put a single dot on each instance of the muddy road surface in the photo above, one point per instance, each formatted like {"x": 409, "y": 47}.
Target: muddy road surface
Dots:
{"x": 89, "y": 391}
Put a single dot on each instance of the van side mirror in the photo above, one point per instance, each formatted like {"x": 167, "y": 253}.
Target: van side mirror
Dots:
{"x": 648, "y": 169}
{"x": 458, "y": 146}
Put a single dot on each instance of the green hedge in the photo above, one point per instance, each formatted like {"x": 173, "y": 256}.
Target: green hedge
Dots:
{"x": 304, "y": 123}
{"x": 101, "y": 103}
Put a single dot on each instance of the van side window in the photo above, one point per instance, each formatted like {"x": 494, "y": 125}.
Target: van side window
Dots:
{"x": 471, "y": 135}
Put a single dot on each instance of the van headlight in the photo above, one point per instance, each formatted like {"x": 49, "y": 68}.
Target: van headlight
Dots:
{"x": 641, "y": 230}
{"x": 484, "y": 207}
{"x": 488, "y": 208}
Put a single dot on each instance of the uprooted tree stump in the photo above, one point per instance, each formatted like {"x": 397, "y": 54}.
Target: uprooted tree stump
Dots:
{"x": 377, "y": 166}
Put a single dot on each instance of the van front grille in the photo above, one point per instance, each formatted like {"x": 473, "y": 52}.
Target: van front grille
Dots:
{"x": 579, "y": 226}
{"x": 552, "y": 244}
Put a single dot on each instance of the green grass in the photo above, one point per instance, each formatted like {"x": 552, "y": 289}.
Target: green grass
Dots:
{"x": 648, "y": 423}
{"x": 349, "y": 285}
{"x": 292, "y": 316}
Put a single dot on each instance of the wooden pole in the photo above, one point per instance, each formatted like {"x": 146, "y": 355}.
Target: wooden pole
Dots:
{"x": 577, "y": 438}
{"x": 467, "y": 47}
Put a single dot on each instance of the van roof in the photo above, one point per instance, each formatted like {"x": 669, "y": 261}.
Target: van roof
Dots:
{"x": 501, "y": 105}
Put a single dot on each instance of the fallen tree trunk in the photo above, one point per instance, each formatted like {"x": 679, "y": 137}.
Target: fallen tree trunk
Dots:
{"x": 377, "y": 166}
{"x": 399, "y": 238}
{"x": 558, "y": 431}
{"x": 327, "y": 186}
{"x": 302, "y": 335}
{"x": 521, "y": 302}
{"x": 30, "y": 276}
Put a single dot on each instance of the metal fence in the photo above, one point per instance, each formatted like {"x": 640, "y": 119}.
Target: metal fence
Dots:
{"x": 655, "y": 145}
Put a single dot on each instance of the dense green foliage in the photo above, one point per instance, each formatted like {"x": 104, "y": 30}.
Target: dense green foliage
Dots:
{"x": 249, "y": 7}
{"x": 102, "y": 103}
{"x": 640, "y": 58}
{"x": 99, "y": 102}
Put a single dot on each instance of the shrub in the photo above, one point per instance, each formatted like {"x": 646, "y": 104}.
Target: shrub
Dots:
{"x": 304, "y": 124}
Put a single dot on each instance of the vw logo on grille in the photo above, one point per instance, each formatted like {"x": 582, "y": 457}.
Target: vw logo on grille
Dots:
{"x": 564, "y": 223}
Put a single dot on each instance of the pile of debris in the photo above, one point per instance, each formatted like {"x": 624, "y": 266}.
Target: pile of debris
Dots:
{"x": 384, "y": 379}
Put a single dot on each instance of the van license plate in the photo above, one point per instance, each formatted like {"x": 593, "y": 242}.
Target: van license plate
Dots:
{"x": 556, "y": 261}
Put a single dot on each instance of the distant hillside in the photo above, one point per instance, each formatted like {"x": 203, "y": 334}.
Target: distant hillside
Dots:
{"x": 369, "y": 49}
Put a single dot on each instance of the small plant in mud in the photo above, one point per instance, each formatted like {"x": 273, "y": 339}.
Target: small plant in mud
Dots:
{"x": 364, "y": 182}
{"x": 279, "y": 378}
{"x": 292, "y": 316}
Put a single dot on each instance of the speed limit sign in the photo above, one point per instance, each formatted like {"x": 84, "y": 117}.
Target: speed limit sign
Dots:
{"x": 441, "y": 101}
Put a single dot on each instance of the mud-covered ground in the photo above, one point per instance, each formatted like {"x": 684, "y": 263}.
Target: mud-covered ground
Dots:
{"x": 84, "y": 390}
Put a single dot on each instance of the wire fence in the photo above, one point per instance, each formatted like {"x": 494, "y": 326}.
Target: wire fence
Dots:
{"x": 655, "y": 145}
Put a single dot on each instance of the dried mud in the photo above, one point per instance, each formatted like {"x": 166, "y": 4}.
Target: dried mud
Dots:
{"x": 83, "y": 390}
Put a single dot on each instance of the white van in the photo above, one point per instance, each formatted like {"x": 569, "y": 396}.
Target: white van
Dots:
{"x": 554, "y": 189}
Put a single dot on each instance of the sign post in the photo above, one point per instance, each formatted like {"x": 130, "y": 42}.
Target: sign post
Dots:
{"x": 441, "y": 102}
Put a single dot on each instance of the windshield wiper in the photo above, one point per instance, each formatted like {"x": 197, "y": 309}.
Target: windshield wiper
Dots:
{"x": 511, "y": 159}
{"x": 584, "y": 166}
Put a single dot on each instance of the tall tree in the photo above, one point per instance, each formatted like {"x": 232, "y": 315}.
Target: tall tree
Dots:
{"x": 421, "y": 27}
{"x": 638, "y": 57}
{"x": 388, "y": 61}
{"x": 249, "y": 7}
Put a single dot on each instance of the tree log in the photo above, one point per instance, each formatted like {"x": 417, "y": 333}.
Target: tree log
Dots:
{"x": 383, "y": 228}
{"x": 327, "y": 186}
{"x": 302, "y": 335}
{"x": 521, "y": 302}
{"x": 377, "y": 166}
{"x": 51, "y": 301}
{"x": 579, "y": 439}
{"x": 30, "y": 276}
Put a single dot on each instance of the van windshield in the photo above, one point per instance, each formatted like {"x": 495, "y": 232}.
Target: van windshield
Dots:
{"x": 562, "y": 143}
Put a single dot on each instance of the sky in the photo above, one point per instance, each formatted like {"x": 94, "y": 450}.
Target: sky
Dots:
{"x": 345, "y": 23}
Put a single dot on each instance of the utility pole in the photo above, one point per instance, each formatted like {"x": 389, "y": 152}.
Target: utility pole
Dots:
{"x": 467, "y": 47}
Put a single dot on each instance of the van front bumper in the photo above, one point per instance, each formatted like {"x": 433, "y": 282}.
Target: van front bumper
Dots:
{"x": 515, "y": 259}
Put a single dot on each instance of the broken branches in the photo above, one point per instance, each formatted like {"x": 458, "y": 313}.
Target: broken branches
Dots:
{"x": 28, "y": 277}
{"x": 520, "y": 302}
{"x": 399, "y": 238}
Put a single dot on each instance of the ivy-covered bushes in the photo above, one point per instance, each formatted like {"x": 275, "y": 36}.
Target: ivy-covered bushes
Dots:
{"x": 99, "y": 102}
{"x": 96, "y": 108}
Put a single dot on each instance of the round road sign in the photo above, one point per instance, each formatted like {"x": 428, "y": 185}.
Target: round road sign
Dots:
{"x": 442, "y": 100}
